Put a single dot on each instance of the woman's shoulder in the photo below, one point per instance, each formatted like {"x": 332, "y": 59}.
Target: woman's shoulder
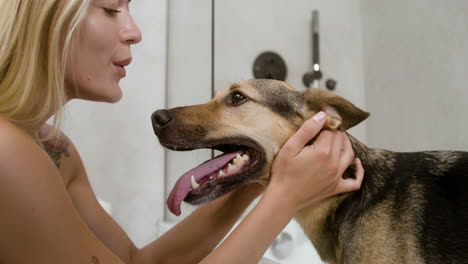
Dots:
{"x": 62, "y": 151}
{"x": 19, "y": 151}
{"x": 57, "y": 146}
{"x": 22, "y": 149}
{"x": 12, "y": 137}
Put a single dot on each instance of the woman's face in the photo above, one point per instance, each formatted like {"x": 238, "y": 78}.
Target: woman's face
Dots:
{"x": 97, "y": 60}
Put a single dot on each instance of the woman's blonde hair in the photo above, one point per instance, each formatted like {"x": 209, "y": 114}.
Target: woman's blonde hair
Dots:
{"x": 35, "y": 37}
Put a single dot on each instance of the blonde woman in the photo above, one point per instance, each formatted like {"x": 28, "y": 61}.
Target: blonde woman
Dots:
{"x": 52, "y": 51}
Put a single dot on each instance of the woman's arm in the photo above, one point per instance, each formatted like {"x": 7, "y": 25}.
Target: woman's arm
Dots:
{"x": 193, "y": 238}
{"x": 199, "y": 233}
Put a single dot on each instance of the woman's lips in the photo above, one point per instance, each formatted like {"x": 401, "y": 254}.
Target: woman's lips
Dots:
{"x": 121, "y": 70}
{"x": 120, "y": 65}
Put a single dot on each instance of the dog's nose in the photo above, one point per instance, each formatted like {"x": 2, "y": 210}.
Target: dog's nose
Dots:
{"x": 160, "y": 119}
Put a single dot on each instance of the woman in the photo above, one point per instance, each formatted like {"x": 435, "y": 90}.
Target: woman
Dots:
{"x": 52, "y": 51}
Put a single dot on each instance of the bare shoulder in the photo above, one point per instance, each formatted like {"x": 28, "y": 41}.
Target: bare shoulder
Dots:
{"x": 63, "y": 153}
{"x": 15, "y": 144}
{"x": 37, "y": 211}
{"x": 57, "y": 147}
{"x": 22, "y": 158}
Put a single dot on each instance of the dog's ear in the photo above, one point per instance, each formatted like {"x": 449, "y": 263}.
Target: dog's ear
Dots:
{"x": 343, "y": 113}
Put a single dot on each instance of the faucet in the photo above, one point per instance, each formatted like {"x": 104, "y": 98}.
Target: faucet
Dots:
{"x": 311, "y": 79}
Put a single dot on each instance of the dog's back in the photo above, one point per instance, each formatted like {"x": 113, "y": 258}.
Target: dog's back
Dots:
{"x": 412, "y": 208}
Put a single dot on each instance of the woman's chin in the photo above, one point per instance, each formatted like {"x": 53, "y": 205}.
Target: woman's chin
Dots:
{"x": 110, "y": 97}
{"x": 115, "y": 95}
{"x": 107, "y": 96}
{"x": 114, "y": 99}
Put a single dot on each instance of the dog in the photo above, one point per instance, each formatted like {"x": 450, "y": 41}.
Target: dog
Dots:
{"x": 411, "y": 207}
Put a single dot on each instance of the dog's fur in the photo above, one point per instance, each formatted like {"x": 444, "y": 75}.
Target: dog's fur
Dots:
{"x": 411, "y": 208}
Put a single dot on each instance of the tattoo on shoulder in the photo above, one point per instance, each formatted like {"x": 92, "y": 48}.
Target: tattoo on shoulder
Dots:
{"x": 56, "y": 148}
{"x": 95, "y": 260}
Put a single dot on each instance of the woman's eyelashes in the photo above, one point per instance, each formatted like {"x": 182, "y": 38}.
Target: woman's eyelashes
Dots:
{"x": 112, "y": 11}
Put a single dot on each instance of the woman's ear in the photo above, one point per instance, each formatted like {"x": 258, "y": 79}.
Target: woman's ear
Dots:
{"x": 336, "y": 107}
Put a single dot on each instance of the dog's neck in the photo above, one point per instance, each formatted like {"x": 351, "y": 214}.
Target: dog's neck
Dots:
{"x": 376, "y": 163}
{"x": 378, "y": 157}
{"x": 316, "y": 220}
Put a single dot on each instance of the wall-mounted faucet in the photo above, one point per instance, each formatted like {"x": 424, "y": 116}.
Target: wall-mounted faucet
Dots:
{"x": 312, "y": 79}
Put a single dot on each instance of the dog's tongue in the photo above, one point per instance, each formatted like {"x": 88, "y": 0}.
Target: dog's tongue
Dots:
{"x": 183, "y": 185}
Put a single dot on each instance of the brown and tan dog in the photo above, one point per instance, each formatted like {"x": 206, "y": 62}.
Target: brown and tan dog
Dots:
{"x": 411, "y": 208}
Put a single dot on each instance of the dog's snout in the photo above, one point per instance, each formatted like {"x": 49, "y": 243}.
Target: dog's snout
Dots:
{"x": 160, "y": 119}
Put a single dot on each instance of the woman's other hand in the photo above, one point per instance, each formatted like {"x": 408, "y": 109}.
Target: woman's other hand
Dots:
{"x": 303, "y": 175}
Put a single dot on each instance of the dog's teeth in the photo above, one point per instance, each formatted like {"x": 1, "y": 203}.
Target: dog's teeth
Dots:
{"x": 221, "y": 173}
{"x": 230, "y": 167}
{"x": 245, "y": 157}
{"x": 238, "y": 160}
{"x": 195, "y": 185}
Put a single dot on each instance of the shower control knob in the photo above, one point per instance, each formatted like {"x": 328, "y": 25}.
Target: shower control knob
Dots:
{"x": 330, "y": 84}
{"x": 269, "y": 65}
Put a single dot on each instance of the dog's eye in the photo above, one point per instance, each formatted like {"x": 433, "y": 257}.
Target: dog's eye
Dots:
{"x": 237, "y": 98}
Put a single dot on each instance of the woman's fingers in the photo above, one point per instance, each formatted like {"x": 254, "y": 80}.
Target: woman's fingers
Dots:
{"x": 306, "y": 132}
{"x": 350, "y": 184}
{"x": 346, "y": 155}
{"x": 338, "y": 148}
{"x": 324, "y": 142}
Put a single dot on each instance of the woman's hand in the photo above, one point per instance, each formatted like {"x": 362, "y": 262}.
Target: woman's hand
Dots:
{"x": 303, "y": 175}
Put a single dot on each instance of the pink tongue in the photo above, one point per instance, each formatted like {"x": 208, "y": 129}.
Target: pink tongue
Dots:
{"x": 183, "y": 185}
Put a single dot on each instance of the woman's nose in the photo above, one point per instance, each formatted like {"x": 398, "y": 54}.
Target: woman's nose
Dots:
{"x": 131, "y": 34}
